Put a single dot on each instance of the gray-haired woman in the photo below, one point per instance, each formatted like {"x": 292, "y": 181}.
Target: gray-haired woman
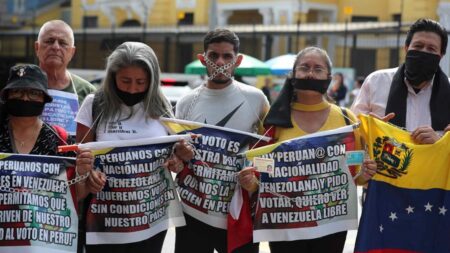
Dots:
{"x": 128, "y": 106}
{"x": 301, "y": 109}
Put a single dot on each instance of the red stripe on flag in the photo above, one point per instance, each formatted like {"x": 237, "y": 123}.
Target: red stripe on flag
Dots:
{"x": 240, "y": 231}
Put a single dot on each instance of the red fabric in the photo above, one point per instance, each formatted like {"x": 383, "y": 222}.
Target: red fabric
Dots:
{"x": 62, "y": 134}
{"x": 269, "y": 131}
{"x": 240, "y": 231}
{"x": 388, "y": 148}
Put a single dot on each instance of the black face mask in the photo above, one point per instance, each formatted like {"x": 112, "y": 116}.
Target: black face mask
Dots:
{"x": 23, "y": 108}
{"x": 420, "y": 66}
{"x": 130, "y": 99}
{"x": 320, "y": 86}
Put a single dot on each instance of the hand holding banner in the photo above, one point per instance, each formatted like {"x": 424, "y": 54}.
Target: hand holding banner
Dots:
{"x": 37, "y": 209}
{"x": 311, "y": 192}
{"x": 207, "y": 186}
{"x": 139, "y": 199}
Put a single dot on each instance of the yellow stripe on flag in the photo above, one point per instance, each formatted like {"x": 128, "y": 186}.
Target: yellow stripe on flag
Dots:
{"x": 403, "y": 163}
{"x": 4, "y": 155}
{"x": 175, "y": 127}
{"x": 101, "y": 151}
{"x": 261, "y": 151}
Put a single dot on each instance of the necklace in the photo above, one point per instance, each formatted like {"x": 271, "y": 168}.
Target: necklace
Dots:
{"x": 21, "y": 143}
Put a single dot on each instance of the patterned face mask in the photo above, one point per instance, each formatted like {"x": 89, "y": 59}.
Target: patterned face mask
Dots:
{"x": 219, "y": 69}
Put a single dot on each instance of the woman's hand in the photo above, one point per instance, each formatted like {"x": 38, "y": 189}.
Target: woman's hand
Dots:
{"x": 85, "y": 162}
{"x": 369, "y": 169}
{"x": 97, "y": 181}
{"x": 174, "y": 164}
{"x": 183, "y": 150}
{"x": 247, "y": 179}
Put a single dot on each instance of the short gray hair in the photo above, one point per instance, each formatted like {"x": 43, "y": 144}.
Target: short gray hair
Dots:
{"x": 140, "y": 55}
{"x": 54, "y": 23}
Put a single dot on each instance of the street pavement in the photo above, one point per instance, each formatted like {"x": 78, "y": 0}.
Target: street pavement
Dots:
{"x": 169, "y": 243}
{"x": 263, "y": 247}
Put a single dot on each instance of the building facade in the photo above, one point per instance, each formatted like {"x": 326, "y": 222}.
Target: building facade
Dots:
{"x": 267, "y": 28}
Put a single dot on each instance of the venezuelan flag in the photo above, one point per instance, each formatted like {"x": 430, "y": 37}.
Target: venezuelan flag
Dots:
{"x": 408, "y": 200}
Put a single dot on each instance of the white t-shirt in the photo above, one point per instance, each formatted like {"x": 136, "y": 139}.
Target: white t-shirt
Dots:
{"x": 136, "y": 127}
{"x": 237, "y": 106}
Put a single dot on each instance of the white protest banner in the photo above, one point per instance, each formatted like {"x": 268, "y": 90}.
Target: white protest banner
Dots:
{"x": 37, "y": 209}
{"x": 139, "y": 199}
{"x": 311, "y": 192}
{"x": 207, "y": 185}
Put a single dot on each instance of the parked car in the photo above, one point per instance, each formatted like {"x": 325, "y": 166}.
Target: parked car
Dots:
{"x": 174, "y": 85}
{"x": 175, "y": 93}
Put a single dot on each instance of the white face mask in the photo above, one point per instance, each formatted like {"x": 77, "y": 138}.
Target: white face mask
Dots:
{"x": 219, "y": 69}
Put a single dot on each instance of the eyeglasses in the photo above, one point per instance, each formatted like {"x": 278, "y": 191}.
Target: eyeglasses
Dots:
{"x": 30, "y": 93}
{"x": 316, "y": 71}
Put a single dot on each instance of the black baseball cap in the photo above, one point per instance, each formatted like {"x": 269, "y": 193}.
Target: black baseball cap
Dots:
{"x": 27, "y": 76}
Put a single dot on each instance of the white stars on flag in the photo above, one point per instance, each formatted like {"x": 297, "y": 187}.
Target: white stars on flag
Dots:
{"x": 428, "y": 207}
{"x": 410, "y": 209}
{"x": 393, "y": 216}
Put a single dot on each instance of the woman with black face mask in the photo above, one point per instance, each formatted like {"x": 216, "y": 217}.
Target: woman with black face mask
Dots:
{"x": 338, "y": 91}
{"x": 24, "y": 97}
{"x": 21, "y": 130}
{"x": 302, "y": 108}
{"x": 128, "y": 106}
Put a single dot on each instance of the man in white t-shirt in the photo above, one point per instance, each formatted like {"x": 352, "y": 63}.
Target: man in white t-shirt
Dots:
{"x": 220, "y": 101}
